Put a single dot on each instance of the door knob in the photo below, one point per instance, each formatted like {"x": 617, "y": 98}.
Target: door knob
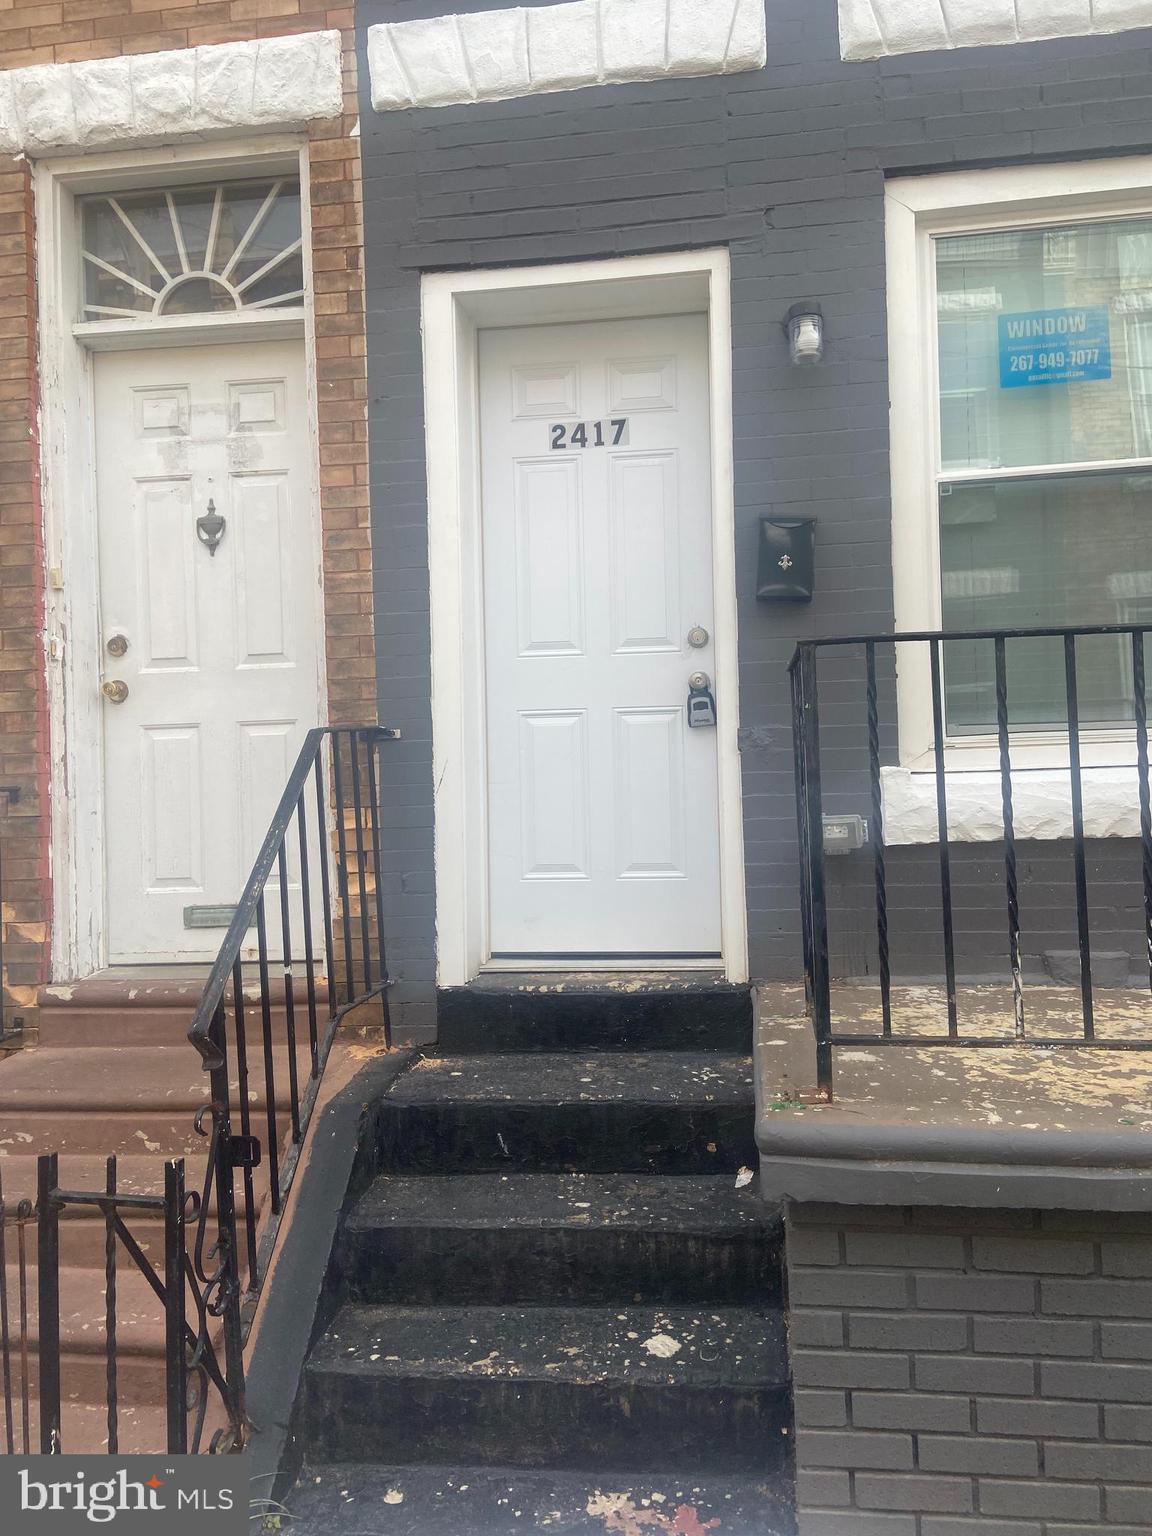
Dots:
{"x": 114, "y": 690}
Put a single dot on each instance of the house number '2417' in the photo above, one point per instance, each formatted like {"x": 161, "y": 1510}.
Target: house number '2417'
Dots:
{"x": 589, "y": 434}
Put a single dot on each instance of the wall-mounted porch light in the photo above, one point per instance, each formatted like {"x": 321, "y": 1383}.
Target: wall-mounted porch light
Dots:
{"x": 804, "y": 328}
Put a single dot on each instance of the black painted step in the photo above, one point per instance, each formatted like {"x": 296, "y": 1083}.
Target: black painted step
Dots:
{"x": 506, "y": 1501}
{"x": 551, "y": 1386}
{"x": 528, "y": 1237}
{"x": 595, "y": 1012}
{"x": 661, "y": 1112}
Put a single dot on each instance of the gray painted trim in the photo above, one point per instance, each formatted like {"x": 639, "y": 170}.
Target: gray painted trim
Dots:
{"x": 918, "y": 1181}
{"x": 988, "y": 1186}
{"x": 815, "y": 1137}
{"x": 291, "y": 1299}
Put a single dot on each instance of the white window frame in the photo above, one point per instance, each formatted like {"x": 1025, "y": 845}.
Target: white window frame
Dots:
{"x": 917, "y": 210}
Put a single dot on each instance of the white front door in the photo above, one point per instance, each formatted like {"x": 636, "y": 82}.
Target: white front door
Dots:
{"x": 221, "y": 662}
{"x": 603, "y": 826}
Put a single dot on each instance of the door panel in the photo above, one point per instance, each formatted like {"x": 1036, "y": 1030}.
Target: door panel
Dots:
{"x": 650, "y": 807}
{"x": 167, "y": 603}
{"x": 549, "y": 575}
{"x": 554, "y": 787}
{"x": 645, "y": 567}
{"x": 264, "y": 547}
{"x": 222, "y": 665}
{"x": 603, "y": 811}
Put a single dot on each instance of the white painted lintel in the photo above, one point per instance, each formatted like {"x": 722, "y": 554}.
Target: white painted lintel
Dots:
{"x": 177, "y": 95}
{"x": 496, "y": 55}
{"x": 874, "y": 29}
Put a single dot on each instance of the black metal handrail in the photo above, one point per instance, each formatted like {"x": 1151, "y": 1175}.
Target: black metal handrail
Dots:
{"x": 339, "y": 928}
{"x": 803, "y": 670}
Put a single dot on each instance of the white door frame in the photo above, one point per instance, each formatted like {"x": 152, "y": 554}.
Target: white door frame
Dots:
{"x": 68, "y": 488}
{"x": 455, "y": 305}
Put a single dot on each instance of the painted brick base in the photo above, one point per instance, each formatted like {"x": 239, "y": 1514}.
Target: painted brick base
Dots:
{"x": 983, "y": 1372}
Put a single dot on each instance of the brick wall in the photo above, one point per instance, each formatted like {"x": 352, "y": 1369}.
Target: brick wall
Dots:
{"x": 25, "y": 900}
{"x": 786, "y": 167}
{"x": 1047, "y": 907}
{"x": 971, "y": 1373}
{"x": 90, "y": 29}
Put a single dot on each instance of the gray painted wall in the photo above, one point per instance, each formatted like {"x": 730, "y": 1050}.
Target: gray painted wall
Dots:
{"x": 970, "y": 1371}
{"x": 785, "y": 166}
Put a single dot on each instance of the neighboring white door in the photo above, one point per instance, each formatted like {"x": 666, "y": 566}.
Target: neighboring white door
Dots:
{"x": 603, "y": 824}
{"x": 221, "y": 665}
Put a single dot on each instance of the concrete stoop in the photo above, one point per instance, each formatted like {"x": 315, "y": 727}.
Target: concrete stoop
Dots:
{"x": 112, "y": 1073}
{"x": 552, "y": 1307}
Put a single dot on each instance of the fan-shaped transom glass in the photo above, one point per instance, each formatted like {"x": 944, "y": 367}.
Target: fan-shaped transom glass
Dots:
{"x": 235, "y": 245}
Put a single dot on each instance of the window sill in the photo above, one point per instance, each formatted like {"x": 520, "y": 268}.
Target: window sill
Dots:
{"x": 183, "y": 330}
{"x": 1041, "y": 803}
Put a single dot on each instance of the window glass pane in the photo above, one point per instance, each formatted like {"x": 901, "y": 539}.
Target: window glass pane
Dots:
{"x": 1044, "y": 345}
{"x": 285, "y": 278}
{"x": 194, "y": 207}
{"x": 1041, "y": 551}
{"x": 277, "y": 231}
{"x": 197, "y": 296}
{"x": 121, "y": 276}
{"x": 193, "y": 250}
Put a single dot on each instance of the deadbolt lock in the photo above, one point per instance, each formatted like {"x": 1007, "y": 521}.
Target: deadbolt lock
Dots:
{"x": 117, "y": 645}
{"x": 114, "y": 690}
{"x": 698, "y": 637}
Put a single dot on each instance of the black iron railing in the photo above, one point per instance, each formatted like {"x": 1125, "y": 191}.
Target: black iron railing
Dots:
{"x": 325, "y": 937}
{"x": 865, "y": 675}
{"x": 33, "y": 1352}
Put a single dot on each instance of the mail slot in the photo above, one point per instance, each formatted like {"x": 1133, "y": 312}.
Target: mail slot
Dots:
{"x": 786, "y": 565}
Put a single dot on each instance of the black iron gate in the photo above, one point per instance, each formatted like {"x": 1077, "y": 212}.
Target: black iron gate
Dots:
{"x": 32, "y": 1351}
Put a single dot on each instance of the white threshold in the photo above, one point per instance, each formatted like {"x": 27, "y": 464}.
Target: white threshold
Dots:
{"x": 662, "y": 964}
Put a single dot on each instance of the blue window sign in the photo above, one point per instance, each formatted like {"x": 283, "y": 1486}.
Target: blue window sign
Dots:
{"x": 1055, "y": 346}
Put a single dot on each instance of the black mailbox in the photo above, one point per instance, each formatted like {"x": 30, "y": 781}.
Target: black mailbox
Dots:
{"x": 786, "y": 565}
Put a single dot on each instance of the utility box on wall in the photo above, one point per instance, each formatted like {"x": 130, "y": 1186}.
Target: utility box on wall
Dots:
{"x": 786, "y": 562}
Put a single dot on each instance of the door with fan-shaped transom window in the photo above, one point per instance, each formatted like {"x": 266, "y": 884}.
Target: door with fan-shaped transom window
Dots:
{"x": 208, "y": 559}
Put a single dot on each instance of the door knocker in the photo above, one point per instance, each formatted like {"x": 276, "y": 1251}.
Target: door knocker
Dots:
{"x": 210, "y": 528}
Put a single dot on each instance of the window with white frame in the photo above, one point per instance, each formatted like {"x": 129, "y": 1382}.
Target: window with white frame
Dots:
{"x": 193, "y": 250}
{"x": 1042, "y": 458}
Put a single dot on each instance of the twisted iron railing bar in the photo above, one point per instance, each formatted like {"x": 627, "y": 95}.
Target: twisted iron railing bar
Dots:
{"x": 809, "y": 811}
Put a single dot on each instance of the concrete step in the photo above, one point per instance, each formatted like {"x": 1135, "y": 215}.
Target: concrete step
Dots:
{"x": 140, "y": 1013}
{"x": 84, "y": 1427}
{"x": 141, "y": 1380}
{"x": 505, "y": 1501}
{"x": 659, "y": 1112}
{"x": 529, "y": 1237}
{"x": 595, "y": 1011}
{"x": 104, "y": 1099}
{"x": 82, "y": 1226}
{"x": 83, "y": 1352}
{"x": 552, "y": 1387}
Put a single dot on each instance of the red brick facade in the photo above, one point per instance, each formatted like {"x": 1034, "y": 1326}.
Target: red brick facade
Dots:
{"x": 91, "y": 29}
